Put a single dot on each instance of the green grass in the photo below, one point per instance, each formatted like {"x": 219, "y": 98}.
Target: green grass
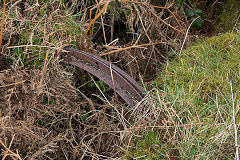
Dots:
{"x": 203, "y": 70}
{"x": 193, "y": 97}
{"x": 148, "y": 146}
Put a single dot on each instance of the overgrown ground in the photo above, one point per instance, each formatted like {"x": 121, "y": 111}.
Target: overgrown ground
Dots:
{"x": 53, "y": 111}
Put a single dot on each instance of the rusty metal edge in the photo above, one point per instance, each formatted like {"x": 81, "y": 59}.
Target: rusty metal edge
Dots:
{"x": 78, "y": 53}
{"x": 106, "y": 79}
{"x": 125, "y": 86}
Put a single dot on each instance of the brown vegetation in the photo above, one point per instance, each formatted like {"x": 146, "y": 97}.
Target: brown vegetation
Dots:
{"x": 44, "y": 112}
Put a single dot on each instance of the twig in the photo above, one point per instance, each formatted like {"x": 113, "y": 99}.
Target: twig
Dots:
{"x": 7, "y": 85}
{"x": 11, "y": 152}
{"x": 104, "y": 36}
{"x": 234, "y": 122}
{"x": 166, "y": 8}
{"x": 130, "y": 47}
{"x": 144, "y": 3}
{"x": 96, "y": 17}
{"x": 160, "y": 7}
{"x": 187, "y": 35}
{"x": 3, "y": 15}
{"x": 114, "y": 88}
{"x": 169, "y": 25}
{"x": 9, "y": 147}
{"x": 59, "y": 50}
{"x": 92, "y": 27}
{"x": 91, "y": 31}
{"x": 21, "y": 46}
{"x": 44, "y": 69}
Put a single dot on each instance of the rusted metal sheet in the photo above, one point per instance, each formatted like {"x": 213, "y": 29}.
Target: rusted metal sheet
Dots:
{"x": 125, "y": 86}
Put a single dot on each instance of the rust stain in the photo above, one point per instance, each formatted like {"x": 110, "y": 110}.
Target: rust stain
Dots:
{"x": 125, "y": 86}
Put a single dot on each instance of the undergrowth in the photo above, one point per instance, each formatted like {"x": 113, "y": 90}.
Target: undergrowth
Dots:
{"x": 44, "y": 113}
{"x": 198, "y": 104}
{"x": 229, "y": 18}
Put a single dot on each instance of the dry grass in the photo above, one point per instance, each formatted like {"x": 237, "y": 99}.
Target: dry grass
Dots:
{"x": 150, "y": 32}
{"x": 57, "y": 121}
{"x": 43, "y": 114}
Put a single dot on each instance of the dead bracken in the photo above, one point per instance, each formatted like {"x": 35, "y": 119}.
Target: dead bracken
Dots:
{"x": 53, "y": 120}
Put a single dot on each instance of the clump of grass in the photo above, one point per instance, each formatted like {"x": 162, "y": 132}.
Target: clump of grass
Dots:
{"x": 198, "y": 81}
{"x": 193, "y": 104}
{"x": 202, "y": 70}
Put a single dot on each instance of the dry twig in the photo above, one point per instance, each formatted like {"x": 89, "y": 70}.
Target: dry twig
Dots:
{"x": 44, "y": 69}
{"x": 2, "y": 27}
{"x": 130, "y": 47}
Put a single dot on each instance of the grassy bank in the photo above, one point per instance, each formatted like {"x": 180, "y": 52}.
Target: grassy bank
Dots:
{"x": 196, "y": 103}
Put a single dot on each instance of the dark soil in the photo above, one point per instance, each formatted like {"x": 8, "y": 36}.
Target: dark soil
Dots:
{"x": 3, "y": 63}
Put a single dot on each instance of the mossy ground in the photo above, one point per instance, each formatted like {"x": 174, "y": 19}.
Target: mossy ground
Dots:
{"x": 196, "y": 86}
{"x": 203, "y": 70}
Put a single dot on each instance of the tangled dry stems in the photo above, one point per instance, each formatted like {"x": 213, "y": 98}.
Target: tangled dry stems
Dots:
{"x": 149, "y": 30}
{"x": 43, "y": 115}
{"x": 54, "y": 121}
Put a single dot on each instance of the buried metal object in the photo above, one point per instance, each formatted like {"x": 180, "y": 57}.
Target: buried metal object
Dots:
{"x": 113, "y": 76}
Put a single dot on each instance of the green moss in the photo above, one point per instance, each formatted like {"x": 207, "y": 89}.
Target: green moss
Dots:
{"x": 229, "y": 17}
{"x": 148, "y": 146}
{"x": 202, "y": 70}
{"x": 196, "y": 85}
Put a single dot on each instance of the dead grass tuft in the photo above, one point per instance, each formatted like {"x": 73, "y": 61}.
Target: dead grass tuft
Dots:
{"x": 56, "y": 121}
{"x": 138, "y": 34}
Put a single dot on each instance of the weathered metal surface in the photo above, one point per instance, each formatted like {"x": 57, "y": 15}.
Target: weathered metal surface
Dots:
{"x": 125, "y": 86}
